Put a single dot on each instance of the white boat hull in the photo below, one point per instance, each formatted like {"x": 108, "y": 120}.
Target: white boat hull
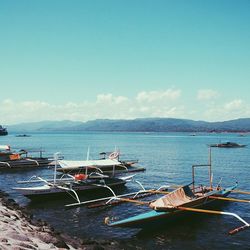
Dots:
{"x": 45, "y": 190}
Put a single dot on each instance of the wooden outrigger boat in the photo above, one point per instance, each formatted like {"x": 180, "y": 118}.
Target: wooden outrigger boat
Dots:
{"x": 186, "y": 198}
{"x": 69, "y": 184}
{"x": 189, "y": 198}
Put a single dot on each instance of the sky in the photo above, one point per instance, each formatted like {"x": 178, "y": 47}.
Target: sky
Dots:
{"x": 82, "y": 60}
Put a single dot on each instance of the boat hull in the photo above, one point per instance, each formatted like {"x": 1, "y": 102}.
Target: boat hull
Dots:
{"x": 24, "y": 164}
{"x": 47, "y": 191}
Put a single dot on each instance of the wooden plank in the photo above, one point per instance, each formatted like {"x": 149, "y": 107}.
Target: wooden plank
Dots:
{"x": 238, "y": 229}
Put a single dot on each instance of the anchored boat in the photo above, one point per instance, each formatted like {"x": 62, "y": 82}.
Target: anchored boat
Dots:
{"x": 228, "y": 145}
{"x": 3, "y": 131}
{"x": 190, "y": 198}
{"x": 21, "y": 159}
{"x": 111, "y": 165}
{"x": 69, "y": 184}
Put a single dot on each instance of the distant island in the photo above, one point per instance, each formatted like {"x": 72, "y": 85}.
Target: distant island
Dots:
{"x": 136, "y": 125}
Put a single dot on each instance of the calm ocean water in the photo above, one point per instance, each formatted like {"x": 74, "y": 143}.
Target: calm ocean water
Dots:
{"x": 168, "y": 158}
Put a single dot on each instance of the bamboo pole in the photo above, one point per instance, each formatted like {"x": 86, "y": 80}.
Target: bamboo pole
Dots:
{"x": 157, "y": 192}
{"x": 228, "y": 199}
{"x": 134, "y": 201}
{"x": 210, "y": 168}
{"x": 117, "y": 198}
{"x": 240, "y": 192}
{"x": 199, "y": 210}
{"x": 246, "y": 225}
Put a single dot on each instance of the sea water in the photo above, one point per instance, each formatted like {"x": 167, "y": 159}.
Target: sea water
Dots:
{"x": 168, "y": 159}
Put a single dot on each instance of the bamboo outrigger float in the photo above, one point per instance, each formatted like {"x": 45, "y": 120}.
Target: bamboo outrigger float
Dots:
{"x": 188, "y": 198}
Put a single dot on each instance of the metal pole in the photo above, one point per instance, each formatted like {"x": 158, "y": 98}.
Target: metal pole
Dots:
{"x": 210, "y": 169}
{"x": 193, "y": 177}
{"x": 88, "y": 154}
{"x": 55, "y": 159}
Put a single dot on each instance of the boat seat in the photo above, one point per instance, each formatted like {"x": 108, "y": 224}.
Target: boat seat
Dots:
{"x": 188, "y": 191}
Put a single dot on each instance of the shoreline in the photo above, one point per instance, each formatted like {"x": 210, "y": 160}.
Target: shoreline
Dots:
{"x": 20, "y": 231}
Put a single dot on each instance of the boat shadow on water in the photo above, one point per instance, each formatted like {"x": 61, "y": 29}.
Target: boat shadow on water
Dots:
{"x": 187, "y": 223}
{"x": 63, "y": 199}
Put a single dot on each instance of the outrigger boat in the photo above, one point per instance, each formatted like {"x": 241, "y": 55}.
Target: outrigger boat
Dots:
{"x": 111, "y": 165}
{"x": 69, "y": 184}
{"x": 186, "y": 198}
{"x": 21, "y": 159}
{"x": 189, "y": 198}
{"x": 228, "y": 145}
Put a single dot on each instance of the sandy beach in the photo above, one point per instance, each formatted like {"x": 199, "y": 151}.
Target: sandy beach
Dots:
{"x": 19, "y": 231}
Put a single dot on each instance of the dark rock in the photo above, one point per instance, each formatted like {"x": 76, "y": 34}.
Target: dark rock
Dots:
{"x": 98, "y": 247}
{"x": 61, "y": 244}
{"x": 48, "y": 234}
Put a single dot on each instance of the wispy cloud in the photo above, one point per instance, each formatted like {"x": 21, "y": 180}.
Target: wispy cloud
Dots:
{"x": 152, "y": 96}
{"x": 144, "y": 104}
{"x": 110, "y": 99}
{"x": 225, "y": 111}
{"x": 166, "y": 103}
{"x": 234, "y": 105}
{"x": 207, "y": 94}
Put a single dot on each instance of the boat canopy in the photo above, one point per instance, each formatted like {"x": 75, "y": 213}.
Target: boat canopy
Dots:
{"x": 96, "y": 163}
{"x": 4, "y": 147}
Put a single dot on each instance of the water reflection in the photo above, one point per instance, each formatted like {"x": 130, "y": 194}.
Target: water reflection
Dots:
{"x": 168, "y": 159}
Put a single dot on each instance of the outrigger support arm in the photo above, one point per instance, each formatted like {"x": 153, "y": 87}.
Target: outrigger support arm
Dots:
{"x": 98, "y": 200}
{"x": 234, "y": 231}
{"x": 111, "y": 190}
{"x": 140, "y": 191}
{"x": 119, "y": 198}
{"x": 70, "y": 190}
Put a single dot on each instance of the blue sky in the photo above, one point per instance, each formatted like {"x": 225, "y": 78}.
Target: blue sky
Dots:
{"x": 83, "y": 60}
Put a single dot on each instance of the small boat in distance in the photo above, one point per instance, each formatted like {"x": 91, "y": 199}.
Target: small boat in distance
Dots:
{"x": 3, "y": 131}
{"x": 228, "y": 145}
{"x": 23, "y": 135}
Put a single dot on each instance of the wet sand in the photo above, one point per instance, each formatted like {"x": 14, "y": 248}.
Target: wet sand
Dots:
{"x": 19, "y": 231}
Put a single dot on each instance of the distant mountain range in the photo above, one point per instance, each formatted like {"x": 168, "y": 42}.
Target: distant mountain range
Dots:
{"x": 136, "y": 125}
